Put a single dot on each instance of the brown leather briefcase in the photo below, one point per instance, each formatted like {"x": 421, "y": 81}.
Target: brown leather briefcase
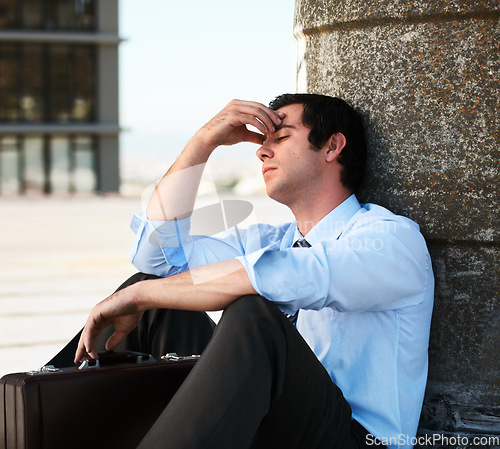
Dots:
{"x": 109, "y": 405}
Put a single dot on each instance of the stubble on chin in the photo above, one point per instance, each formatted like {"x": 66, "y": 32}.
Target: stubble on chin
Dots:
{"x": 280, "y": 192}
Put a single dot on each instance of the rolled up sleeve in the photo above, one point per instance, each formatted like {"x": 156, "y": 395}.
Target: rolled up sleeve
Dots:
{"x": 165, "y": 248}
{"x": 287, "y": 277}
{"x": 158, "y": 245}
{"x": 364, "y": 270}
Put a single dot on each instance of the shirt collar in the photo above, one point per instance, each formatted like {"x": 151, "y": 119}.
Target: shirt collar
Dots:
{"x": 332, "y": 225}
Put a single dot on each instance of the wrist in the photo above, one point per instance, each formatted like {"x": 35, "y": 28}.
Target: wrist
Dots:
{"x": 133, "y": 298}
{"x": 201, "y": 145}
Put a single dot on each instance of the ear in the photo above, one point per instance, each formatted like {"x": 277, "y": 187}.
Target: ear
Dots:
{"x": 336, "y": 144}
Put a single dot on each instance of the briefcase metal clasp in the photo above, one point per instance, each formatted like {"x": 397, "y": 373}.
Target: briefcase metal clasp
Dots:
{"x": 174, "y": 356}
{"x": 46, "y": 369}
{"x": 89, "y": 364}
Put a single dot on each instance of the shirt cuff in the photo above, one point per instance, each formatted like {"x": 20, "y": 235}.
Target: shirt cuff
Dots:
{"x": 274, "y": 275}
{"x": 165, "y": 234}
{"x": 249, "y": 260}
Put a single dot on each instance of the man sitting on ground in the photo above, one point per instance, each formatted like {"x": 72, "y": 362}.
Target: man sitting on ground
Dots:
{"x": 323, "y": 340}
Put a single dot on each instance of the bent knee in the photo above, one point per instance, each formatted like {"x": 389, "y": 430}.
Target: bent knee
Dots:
{"x": 247, "y": 305}
{"x": 252, "y": 309}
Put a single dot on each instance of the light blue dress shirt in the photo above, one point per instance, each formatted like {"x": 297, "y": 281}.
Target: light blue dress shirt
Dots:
{"x": 364, "y": 289}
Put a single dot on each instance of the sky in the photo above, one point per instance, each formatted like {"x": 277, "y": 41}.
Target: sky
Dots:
{"x": 183, "y": 61}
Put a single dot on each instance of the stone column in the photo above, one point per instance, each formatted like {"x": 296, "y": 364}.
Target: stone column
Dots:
{"x": 425, "y": 73}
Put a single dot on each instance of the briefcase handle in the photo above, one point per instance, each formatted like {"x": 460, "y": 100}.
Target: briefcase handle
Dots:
{"x": 110, "y": 358}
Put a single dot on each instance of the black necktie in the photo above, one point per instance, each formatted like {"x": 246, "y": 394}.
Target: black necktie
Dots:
{"x": 304, "y": 244}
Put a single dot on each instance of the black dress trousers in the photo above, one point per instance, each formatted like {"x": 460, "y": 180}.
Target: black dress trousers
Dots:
{"x": 160, "y": 331}
{"x": 256, "y": 385}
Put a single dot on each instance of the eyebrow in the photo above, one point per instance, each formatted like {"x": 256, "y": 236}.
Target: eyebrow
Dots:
{"x": 280, "y": 127}
{"x": 284, "y": 126}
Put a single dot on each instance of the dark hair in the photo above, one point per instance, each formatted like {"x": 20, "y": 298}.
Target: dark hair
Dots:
{"x": 326, "y": 116}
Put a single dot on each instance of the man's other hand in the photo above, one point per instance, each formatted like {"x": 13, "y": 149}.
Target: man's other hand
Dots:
{"x": 121, "y": 311}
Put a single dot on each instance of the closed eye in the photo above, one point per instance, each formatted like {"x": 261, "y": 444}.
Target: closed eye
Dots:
{"x": 280, "y": 139}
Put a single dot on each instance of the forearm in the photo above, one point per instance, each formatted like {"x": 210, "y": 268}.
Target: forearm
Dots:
{"x": 175, "y": 194}
{"x": 211, "y": 287}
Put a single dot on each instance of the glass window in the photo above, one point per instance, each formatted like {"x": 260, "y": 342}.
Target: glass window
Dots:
{"x": 51, "y": 83}
{"x": 48, "y": 14}
{"x": 60, "y": 165}
{"x": 66, "y": 14}
{"x": 76, "y": 14}
{"x": 84, "y": 174}
{"x": 34, "y": 173}
{"x": 9, "y": 83}
{"x": 50, "y": 17}
{"x": 10, "y": 166}
{"x": 59, "y": 83}
{"x": 72, "y": 83}
{"x": 31, "y": 101}
{"x": 83, "y": 84}
{"x": 8, "y": 14}
{"x": 32, "y": 14}
{"x": 85, "y": 14}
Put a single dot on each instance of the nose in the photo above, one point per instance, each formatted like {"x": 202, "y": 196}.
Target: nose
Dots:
{"x": 264, "y": 152}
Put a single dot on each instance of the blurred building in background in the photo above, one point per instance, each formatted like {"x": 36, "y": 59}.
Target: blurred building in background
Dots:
{"x": 59, "y": 122}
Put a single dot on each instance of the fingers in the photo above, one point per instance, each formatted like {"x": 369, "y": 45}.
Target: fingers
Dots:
{"x": 256, "y": 114}
{"x": 83, "y": 351}
{"x": 86, "y": 348}
{"x": 255, "y": 138}
{"x": 229, "y": 126}
{"x": 115, "y": 340}
{"x": 115, "y": 310}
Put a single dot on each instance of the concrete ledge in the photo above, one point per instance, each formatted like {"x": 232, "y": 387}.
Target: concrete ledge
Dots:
{"x": 100, "y": 38}
{"x": 69, "y": 128}
{"x": 323, "y": 16}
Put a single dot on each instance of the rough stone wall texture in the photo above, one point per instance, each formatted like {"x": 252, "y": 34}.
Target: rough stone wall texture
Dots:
{"x": 425, "y": 75}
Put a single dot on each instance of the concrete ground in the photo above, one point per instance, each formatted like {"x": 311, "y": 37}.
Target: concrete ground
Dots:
{"x": 59, "y": 257}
